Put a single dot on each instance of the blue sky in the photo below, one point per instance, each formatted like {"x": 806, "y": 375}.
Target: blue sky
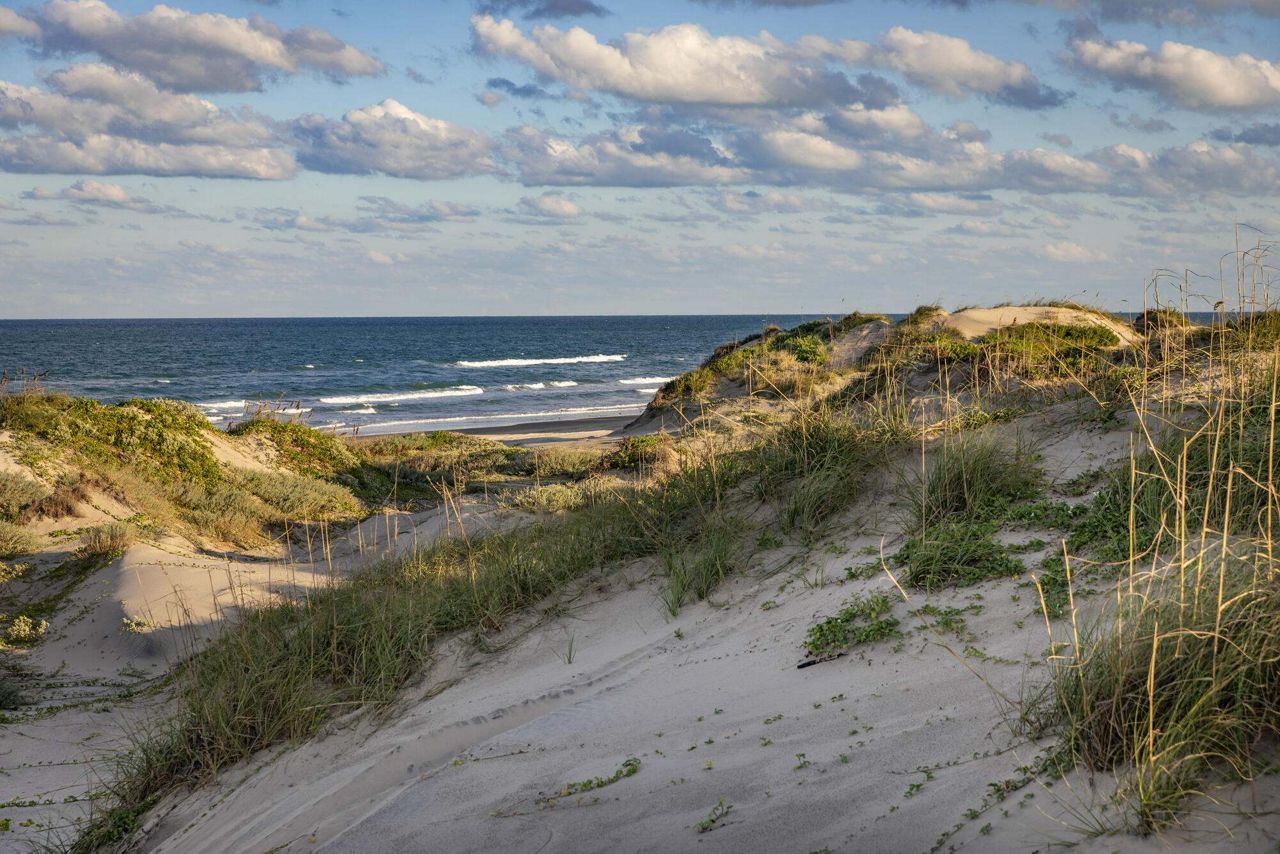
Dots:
{"x": 244, "y": 158}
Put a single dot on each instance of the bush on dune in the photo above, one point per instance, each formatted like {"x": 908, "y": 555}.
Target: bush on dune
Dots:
{"x": 17, "y": 493}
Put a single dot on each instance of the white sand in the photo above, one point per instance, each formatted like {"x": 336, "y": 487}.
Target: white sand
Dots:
{"x": 976, "y": 322}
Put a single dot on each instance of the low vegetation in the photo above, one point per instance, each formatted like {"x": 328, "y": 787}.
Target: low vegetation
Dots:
{"x": 864, "y": 619}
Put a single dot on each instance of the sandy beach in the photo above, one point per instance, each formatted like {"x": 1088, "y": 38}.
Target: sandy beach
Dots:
{"x": 585, "y": 430}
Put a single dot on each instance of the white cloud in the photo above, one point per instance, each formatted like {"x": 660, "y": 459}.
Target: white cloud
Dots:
{"x": 678, "y": 64}
{"x": 13, "y": 24}
{"x": 1182, "y": 74}
{"x": 99, "y": 120}
{"x": 1068, "y": 252}
{"x": 392, "y": 139}
{"x": 190, "y": 51}
{"x": 100, "y": 154}
{"x": 92, "y": 193}
{"x": 684, "y": 64}
{"x": 551, "y": 206}
{"x": 944, "y": 64}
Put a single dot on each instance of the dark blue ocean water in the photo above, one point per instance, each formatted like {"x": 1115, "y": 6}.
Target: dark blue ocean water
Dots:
{"x": 379, "y": 374}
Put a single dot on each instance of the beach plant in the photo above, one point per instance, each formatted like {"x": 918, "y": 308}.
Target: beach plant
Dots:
{"x": 23, "y": 630}
{"x": 955, "y": 553}
{"x": 863, "y": 619}
{"x": 18, "y": 492}
{"x": 972, "y": 478}
{"x": 107, "y": 540}
{"x": 718, "y": 813}
{"x": 16, "y": 540}
{"x": 629, "y": 768}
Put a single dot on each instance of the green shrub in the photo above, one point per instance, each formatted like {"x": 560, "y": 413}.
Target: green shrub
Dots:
{"x": 1047, "y": 350}
{"x": 1155, "y": 320}
{"x": 17, "y": 492}
{"x": 165, "y": 438}
{"x": 16, "y": 540}
{"x": 302, "y": 449}
{"x": 809, "y": 349}
{"x": 955, "y": 553}
{"x": 635, "y": 452}
{"x": 106, "y": 540}
{"x": 298, "y": 498}
{"x": 861, "y": 620}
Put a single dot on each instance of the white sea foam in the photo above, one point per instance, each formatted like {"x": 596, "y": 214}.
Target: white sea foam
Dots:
{"x": 399, "y": 396}
{"x": 217, "y": 405}
{"x": 363, "y": 410}
{"x": 164, "y": 382}
{"x": 525, "y": 387}
{"x": 647, "y": 391}
{"x": 521, "y": 363}
{"x": 647, "y": 381}
{"x": 562, "y": 384}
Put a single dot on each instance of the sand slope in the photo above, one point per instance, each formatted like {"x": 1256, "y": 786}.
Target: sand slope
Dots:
{"x": 887, "y": 749}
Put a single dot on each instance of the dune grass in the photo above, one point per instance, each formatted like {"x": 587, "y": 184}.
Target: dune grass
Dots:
{"x": 106, "y": 540}
{"x": 1172, "y": 682}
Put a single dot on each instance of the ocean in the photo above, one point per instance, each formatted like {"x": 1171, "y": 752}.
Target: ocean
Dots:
{"x": 380, "y": 375}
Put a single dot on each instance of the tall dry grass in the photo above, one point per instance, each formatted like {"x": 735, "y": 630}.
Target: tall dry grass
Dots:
{"x": 1173, "y": 683}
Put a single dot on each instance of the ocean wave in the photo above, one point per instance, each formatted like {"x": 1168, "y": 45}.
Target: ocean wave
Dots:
{"x": 398, "y": 396}
{"x": 525, "y": 387}
{"x": 217, "y": 405}
{"x": 364, "y": 410}
{"x": 647, "y": 391}
{"x": 546, "y": 415}
{"x": 562, "y": 384}
{"x": 522, "y": 363}
{"x": 647, "y": 381}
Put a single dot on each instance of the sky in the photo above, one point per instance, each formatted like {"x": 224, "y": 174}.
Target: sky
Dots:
{"x": 487, "y": 157}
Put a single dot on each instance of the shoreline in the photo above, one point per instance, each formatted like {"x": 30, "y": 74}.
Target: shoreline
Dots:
{"x": 595, "y": 429}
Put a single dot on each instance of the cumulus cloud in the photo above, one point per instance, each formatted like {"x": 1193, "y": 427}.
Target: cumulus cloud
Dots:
{"x": 1182, "y": 74}
{"x": 97, "y": 119}
{"x": 392, "y": 139}
{"x": 678, "y": 64}
{"x": 944, "y": 64}
{"x": 188, "y": 51}
{"x": 542, "y": 8}
{"x": 684, "y": 64}
{"x": 550, "y": 206}
{"x": 13, "y": 24}
{"x": 1069, "y": 252}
